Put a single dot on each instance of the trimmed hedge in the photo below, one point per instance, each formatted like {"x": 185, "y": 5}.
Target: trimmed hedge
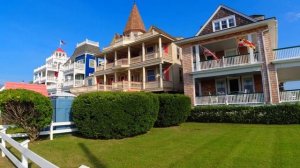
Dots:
{"x": 268, "y": 114}
{"x": 26, "y": 109}
{"x": 173, "y": 109}
{"x": 116, "y": 115}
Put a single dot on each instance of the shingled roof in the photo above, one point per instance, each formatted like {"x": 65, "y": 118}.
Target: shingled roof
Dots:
{"x": 86, "y": 48}
{"x": 135, "y": 22}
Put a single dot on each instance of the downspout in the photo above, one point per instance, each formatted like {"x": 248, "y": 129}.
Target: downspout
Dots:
{"x": 267, "y": 66}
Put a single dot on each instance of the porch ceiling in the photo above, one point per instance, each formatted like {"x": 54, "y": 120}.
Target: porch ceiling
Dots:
{"x": 222, "y": 45}
{"x": 288, "y": 74}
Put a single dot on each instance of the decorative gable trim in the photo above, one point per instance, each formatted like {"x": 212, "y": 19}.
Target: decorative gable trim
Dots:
{"x": 218, "y": 9}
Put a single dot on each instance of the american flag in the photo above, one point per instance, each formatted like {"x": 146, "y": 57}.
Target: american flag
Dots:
{"x": 207, "y": 52}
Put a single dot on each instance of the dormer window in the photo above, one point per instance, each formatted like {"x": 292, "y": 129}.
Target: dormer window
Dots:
{"x": 224, "y": 23}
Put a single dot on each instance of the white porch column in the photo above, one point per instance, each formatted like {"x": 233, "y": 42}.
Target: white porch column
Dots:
{"x": 104, "y": 81}
{"x": 143, "y": 52}
{"x": 129, "y": 55}
{"x": 160, "y": 47}
{"x": 251, "y": 49}
{"x": 74, "y": 78}
{"x": 156, "y": 50}
{"x": 115, "y": 77}
{"x": 198, "y": 65}
{"x": 160, "y": 76}
{"x": 144, "y": 78}
{"x": 129, "y": 78}
{"x": 105, "y": 62}
{"x": 116, "y": 57}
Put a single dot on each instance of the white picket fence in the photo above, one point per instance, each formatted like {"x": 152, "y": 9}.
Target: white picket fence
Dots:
{"x": 22, "y": 147}
{"x": 25, "y": 153}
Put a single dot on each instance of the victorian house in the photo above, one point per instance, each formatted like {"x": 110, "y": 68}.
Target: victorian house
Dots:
{"x": 234, "y": 59}
{"x": 50, "y": 73}
{"x": 138, "y": 60}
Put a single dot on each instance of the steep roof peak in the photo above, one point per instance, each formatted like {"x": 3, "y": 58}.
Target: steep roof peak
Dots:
{"x": 135, "y": 22}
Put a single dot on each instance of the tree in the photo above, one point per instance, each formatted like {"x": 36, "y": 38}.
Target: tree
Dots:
{"x": 26, "y": 109}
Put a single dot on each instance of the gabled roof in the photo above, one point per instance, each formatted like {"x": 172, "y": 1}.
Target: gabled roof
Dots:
{"x": 42, "y": 89}
{"x": 218, "y": 9}
{"x": 135, "y": 22}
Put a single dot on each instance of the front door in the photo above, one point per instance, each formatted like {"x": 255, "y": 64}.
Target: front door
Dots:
{"x": 234, "y": 86}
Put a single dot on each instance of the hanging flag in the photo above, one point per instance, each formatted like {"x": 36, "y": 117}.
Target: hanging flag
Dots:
{"x": 207, "y": 52}
{"x": 246, "y": 43}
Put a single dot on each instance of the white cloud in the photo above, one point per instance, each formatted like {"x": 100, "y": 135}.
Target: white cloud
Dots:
{"x": 293, "y": 16}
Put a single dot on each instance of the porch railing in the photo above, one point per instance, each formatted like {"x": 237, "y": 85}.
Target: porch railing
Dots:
{"x": 135, "y": 60}
{"x": 123, "y": 61}
{"x": 290, "y": 96}
{"x": 253, "y": 98}
{"x": 287, "y": 53}
{"x": 226, "y": 62}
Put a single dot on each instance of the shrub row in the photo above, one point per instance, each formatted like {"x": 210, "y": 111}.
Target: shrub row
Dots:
{"x": 173, "y": 109}
{"x": 117, "y": 115}
{"x": 269, "y": 114}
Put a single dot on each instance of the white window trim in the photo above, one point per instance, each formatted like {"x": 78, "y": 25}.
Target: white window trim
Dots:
{"x": 220, "y": 23}
{"x": 248, "y": 76}
{"x": 221, "y": 79}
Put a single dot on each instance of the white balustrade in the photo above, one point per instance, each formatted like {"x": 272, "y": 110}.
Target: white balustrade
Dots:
{"x": 253, "y": 98}
{"x": 290, "y": 96}
{"x": 287, "y": 53}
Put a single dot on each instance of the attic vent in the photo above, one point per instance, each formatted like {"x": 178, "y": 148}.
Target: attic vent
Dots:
{"x": 258, "y": 17}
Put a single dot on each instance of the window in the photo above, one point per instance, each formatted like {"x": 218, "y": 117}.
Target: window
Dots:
{"x": 248, "y": 84}
{"x": 90, "y": 82}
{"x": 150, "y": 75}
{"x": 150, "y": 50}
{"x": 92, "y": 63}
{"x": 224, "y": 23}
{"x": 180, "y": 75}
{"x": 178, "y": 53}
{"x": 231, "y": 22}
{"x": 221, "y": 87}
{"x": 217, "y": 26}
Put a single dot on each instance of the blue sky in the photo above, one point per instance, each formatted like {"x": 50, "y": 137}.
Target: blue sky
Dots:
{"x": 30, "y": 30}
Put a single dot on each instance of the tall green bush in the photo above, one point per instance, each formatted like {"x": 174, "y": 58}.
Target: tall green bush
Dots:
{"x": 116, "y": 115}
{"x": 266, "y": 114}
{"x": 26, "y": 109}
{"x": 173, "y": 109}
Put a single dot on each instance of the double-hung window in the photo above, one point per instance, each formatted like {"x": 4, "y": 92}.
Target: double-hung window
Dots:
{"x": 150, "y": 75}
{"x": 224, "y": 23}
{"x": 248, "y": 84}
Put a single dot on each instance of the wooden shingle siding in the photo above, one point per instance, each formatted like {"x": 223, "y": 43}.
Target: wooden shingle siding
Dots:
{"x": 240, "y": 20}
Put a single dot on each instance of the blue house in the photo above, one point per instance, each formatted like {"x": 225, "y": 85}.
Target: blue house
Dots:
{"x": 80, "y": 68}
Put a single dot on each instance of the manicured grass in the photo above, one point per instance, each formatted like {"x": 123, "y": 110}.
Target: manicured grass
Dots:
{"x": 189, "y": 145}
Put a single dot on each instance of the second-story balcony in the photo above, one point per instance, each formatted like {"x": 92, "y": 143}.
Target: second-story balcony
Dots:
{"x": 226, "y": 62}
{"x": 74, "y": 68}
{"x": 72, "y": 83}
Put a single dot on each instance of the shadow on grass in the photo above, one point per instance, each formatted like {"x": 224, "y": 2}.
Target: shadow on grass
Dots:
{"x": 92, "y": 158}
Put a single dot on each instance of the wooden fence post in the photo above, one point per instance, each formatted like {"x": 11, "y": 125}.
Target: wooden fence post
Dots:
{"x": 24, "y": 159}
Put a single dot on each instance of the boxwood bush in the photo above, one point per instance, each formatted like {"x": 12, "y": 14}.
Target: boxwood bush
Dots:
{"x": 109, "y": 115}
{"x": 26, "y": 109}
{"x": 267, "y": 114}
{"x": 173, "y": 109}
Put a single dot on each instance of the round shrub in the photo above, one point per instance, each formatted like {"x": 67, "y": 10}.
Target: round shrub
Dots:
{"x": 173, "y": 109}
{"x": 26, "y": 109}
{"x": 109, "y": 115}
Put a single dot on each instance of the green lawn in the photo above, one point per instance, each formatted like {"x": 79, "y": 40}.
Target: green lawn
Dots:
{"x": 190, "y": 145}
